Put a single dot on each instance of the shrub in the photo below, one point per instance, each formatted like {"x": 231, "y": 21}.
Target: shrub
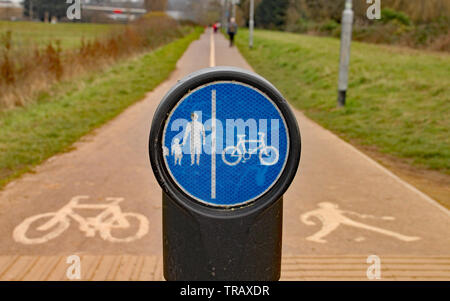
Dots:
{"x": 6, "y": 68}
{"x": 26, "y": 72}
{"x": 301, "y": 25}
{"x": 329, "y": 26}
{"x": 389, "y": 15}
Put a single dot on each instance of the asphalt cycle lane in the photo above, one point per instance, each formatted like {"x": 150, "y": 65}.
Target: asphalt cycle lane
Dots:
{"x": 343, "y": 202}
{"x": 108, "y": 172}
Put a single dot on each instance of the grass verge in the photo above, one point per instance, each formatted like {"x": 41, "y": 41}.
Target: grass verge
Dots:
{"x": 27, "y": 71}
{"x": 39, "y": 130}
{"x": 398, "y": 99}
{"x": 29, "y": 34}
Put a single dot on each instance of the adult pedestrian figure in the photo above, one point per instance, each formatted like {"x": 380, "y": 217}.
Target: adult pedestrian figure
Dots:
{"x": 197, "y": 139}
{"x": 332, "y": 217}
{"x": 232, "y": 30}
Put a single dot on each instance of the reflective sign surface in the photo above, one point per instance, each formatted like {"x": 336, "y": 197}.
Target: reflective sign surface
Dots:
{"x": 225, "y": 144}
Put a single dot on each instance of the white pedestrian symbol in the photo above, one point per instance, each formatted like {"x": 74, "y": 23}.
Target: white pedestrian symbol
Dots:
{"x": 332, "y": 217}
{"x": 232, "y": 155}
{"x": 177, "y": 151}
{"x": 50, "y": 225}
{"x": 196, "y": 131}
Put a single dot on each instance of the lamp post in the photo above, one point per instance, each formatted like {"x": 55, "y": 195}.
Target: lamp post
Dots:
{"x": 224, "y": 17}
{"x": 234, "y": 3}
{"x": 30, "y": 10}
{"x": 225, "y": 14}
{"x": 251, "y": 23}
{"x": 346, "y": 38}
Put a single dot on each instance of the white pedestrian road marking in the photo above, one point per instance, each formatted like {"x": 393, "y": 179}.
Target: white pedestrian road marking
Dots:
{"x": 332, "y": 217}
{"x": 53, "y": 224}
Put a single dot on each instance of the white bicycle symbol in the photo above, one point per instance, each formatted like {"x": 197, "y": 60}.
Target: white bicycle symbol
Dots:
{"x": 56, "y": 223}
{"x": 232, "y": 155}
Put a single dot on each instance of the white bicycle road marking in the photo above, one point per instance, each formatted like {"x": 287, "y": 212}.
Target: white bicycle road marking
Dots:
{"x": 332, "y": 217}
{"x": 110, "y": 218}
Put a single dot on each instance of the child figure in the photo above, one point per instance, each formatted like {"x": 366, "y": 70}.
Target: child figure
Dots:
{"x": 177, "y": 151}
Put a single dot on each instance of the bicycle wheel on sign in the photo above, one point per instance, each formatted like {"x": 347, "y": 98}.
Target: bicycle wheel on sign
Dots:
{"x": 269, "y": 155}
{"x": 231, "y": 155}
{"x": 135, "y": 221}
{"x": 30, "y": 230}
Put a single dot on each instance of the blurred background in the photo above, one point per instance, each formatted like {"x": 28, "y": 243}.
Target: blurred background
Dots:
{"x": 398, "y": 106}
{"x": 415, "y": 23}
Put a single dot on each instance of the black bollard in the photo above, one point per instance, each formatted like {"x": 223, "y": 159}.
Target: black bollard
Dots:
{"x": 224, "y": 147}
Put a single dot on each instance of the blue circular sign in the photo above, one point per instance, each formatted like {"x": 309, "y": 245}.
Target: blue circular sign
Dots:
{"x": 225, "y": 144}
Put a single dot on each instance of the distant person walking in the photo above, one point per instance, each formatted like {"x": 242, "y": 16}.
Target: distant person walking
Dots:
{"x": 232, "y": 30}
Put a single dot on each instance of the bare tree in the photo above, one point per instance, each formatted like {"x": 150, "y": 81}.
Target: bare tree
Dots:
{"x": 204, "y": 12}
{"x": 332, "y": 9}
{"x": 156, "y": 5}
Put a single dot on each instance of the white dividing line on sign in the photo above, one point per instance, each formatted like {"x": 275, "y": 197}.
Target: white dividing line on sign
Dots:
{"x": 212, "y": 54}
{"x": 213, "y": 144}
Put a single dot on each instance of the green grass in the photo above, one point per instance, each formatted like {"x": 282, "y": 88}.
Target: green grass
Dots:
{"x": 26, "y": 34}
{"x": 33, "y": 133}
{"x": 398, "y": 99}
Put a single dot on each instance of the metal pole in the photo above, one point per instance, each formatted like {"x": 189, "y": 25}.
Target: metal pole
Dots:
{"x": 227, "y": 15}
{"x": 30, "y": 10}
{"x": 251, "y": 23}
{"x": 346, "y": 38}
{"x": 223, "y": 13}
